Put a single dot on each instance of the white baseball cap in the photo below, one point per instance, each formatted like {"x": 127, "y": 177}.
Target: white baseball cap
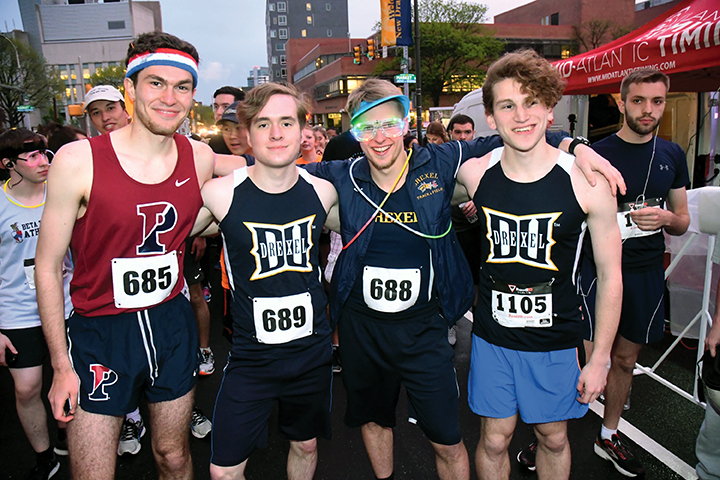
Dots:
{"x": 103, "y": 92}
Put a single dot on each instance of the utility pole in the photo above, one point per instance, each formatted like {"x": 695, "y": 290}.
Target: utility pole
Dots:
{"x": 418, "y": 88}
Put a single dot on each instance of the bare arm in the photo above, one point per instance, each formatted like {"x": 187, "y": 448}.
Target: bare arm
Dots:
{"x": 590, "y": 162}
{"x": 329, "y": 198}
{"x": 713, "y": 337}
{"x": 675, "y": 219}
{"x": 607, "y": 247}
{"x": 225, "y": 164}
{"x": 69, "y": 181}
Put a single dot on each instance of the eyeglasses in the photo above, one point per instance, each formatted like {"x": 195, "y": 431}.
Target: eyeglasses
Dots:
{"x": 391, "y": 128}
{"x": 33, "y": 158}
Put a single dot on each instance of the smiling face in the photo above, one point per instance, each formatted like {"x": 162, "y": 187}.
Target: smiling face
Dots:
{"x": 107, "y": 116}
{"x": 275, "y": 132}
{"x": 163, "y": 97}
{"x": 643, "y": 107}
{"x": 520, "y": 118}
{"x": 382, "y": 152}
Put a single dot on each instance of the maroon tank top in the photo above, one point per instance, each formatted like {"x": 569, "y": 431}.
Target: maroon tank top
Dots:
{"x": 128, "y": 247}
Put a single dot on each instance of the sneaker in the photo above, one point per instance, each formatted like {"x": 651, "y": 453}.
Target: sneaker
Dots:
{"x": 61, "y": 446}
{"x": 626, "y": 405}
{"x": 526, "y": 456}
{"x": 200, "y": 426}
{"x": 452, "y": 335}
{"x": 617, "y": 453}
{"x": 207, "y": 294}
{"x": 130, "y": 436}
{"x": 44, "y": 469}
{"x": 207, "y": 362}
{"x": 337, "y": 366}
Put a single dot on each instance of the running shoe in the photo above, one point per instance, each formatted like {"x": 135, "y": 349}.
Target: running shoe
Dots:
{"x": 200, "y": 426}
{"x": 452, "y": 335}
{"x": 61, "y": 445}
{"x": 130, "y": 436}
{"x": 207, "y": 294}
{"x": 207, "y": 362}
{"x": 44, "y": 469}
{"x": 617, "y": 453}
{"x": 526, "y": 456}
{"x": 337, "y": 366}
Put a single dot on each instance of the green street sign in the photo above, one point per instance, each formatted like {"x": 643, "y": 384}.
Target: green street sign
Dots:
{"x": 25, "y": 108}
{"x": 405, "y": 78}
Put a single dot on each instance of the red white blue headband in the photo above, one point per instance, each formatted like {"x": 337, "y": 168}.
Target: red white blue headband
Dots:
{"x": 163, "y": 56}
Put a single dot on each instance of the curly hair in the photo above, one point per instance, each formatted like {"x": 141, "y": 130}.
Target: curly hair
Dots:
{"x": 150, "y": 42}
{"x": 535, "y": 75}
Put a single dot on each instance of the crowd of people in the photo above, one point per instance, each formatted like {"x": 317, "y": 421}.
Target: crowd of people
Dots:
{"x": 507, "y": 227}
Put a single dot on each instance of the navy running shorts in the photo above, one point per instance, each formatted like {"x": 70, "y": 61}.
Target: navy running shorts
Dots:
{"x": 119, "y": 358}
{"x": 378, "y": 356}
{"x": 302, "y": 387}
{"x": 642, "y": 319}
{"x": 30, "y": 345}
{"x": 542, "y": 386}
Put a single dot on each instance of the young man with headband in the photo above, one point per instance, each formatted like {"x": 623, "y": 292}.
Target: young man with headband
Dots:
{"x": 22, "y": 345}
{"x": 281, "y": 348}
{"x": 534, "y": 205}
{"x": 125, "y": 202}
{"x": 401, "y": 279}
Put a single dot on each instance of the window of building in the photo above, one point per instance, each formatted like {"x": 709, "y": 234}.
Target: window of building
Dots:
{"x": 555, "y": 18}
{"x": 86, "y": 71}
{"x": 283, "y": 72}
{"x": 329, "y": 32}
{"x": 73, "y": 77}
{"x": 116, "y": 25}
{"x": 282, "y": 6}
{"x": 282, "y": 19}
{"x": 280, "y": 47}
{"x": 309, "y": 19}
{"x": 283, "y": 33}
{"x": 271, "y": 7}
{"x": 98, "y": 66}
{"x": 303, "y": 33}
{"x": 277, "y": 73}
{"x": 274, "y": 20}
{"x": 273, "y": 33}
{"x": 274, "y": 60}
{"x": 328, "y": 7}
{"x": 308, "y": 7}
{"x": 63, "y": 73}
{"x": 282, "y": 60}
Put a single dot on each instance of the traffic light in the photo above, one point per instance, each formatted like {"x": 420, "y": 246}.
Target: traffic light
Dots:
{"x": 371, "y": 48}
{"x": 357, "y": 55}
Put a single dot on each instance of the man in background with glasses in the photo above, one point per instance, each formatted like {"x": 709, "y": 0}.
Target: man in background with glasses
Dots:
{"x": 656, "y": 174}
{"x": 401, "y": 279}
{"x": 22, "y": 344}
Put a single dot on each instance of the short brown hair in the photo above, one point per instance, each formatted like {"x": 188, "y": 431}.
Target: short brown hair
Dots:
{"x": 259, "y": 96}
{"x": 644, "y": 75}
{"x": 371, "y": 90}
{"x": 535, "y": 75}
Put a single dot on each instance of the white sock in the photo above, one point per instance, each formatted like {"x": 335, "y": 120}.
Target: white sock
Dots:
{"x": 206, "y": 349}
{"x": 606, "y": 433}
{"x": 134, "y": 415}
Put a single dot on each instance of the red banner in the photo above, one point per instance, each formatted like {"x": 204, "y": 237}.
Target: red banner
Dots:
{"x": 683, "y": 43}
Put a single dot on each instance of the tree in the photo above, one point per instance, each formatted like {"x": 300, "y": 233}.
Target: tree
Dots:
{"x": 595, "y": 33}
{"x": 113, "y": 75}
{"x": 30, "y": 83}
{"x": 454, "y": 46}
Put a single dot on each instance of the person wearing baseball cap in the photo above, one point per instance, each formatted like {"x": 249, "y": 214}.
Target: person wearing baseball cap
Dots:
{"x": 105, "y": 106}
{"x": 234, "y": 134}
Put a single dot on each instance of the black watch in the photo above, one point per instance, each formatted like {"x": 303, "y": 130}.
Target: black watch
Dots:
{"x": 577, "y": 141}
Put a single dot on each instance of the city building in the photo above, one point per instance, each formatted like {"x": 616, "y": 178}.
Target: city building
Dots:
{"x": 258, "y": 76}
{"x": 79, "y": 36}
{"x": 285, "y": 20}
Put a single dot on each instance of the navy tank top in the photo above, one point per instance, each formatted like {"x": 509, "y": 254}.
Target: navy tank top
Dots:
{"x": 272, "y": 260}
{"x": 531, "y": 239}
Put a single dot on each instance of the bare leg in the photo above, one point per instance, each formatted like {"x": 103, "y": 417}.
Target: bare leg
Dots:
{"x": 553, "y": 454}
{"x": 452, "y": 461}
{"x": 202, "y": 314}
{"x": 302, "y": 460}
{"x": 379, "y": 445}
{"x": 92, "y": 443}
{"x": 491, "y": 458}
{"x": 30, "y": 407}
{"x": 236, "y": 472}
{"x": 624, "y": 355}
{"x": 170, "y": 436}
{"x": 588, "y": 349}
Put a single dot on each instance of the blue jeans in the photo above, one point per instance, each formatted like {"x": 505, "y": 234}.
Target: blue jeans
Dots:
{"x": 707, "y": 447}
